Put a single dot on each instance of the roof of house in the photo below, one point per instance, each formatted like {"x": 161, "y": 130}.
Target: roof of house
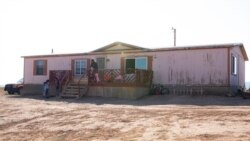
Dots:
{"x": 118, "y": 47}
{"x": 229, "y": 45}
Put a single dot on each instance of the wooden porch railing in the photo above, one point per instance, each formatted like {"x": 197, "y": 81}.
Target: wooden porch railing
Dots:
{"x": 79, "y": 86}
{"x": 63, "y": 76}
{"x": 108, "y": 77}
{"x": 67, "y": 79}
{"x": 133, "y": 77}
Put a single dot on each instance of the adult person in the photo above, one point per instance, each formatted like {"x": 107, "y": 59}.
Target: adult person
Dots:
{"x": 94, "y": 68}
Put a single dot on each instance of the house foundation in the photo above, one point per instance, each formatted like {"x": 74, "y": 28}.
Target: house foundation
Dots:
{"x": 198, "y": 90}
{"x": 32, "y": 89}
{"x": 118, "y": 92}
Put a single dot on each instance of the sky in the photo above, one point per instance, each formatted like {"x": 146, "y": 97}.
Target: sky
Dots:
{"x": 35, "y": 27}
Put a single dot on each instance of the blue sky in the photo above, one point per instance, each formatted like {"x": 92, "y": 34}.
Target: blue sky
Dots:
{"x": 30, "y": 27}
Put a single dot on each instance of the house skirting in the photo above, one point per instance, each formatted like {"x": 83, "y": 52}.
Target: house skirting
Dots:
{"x": 198, "y": 90}
{"x": 32, "y": 89}
{"x": 118, "y": 92}
{"x": 137, "y": 92}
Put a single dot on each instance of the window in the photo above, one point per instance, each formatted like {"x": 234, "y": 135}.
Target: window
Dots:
{"x": 40, "y": 67}
{"x": 136, "y": 63}
{"x": 141, "y": 63}
{"x": 80, "y": 67}
{"x": 234, "y": 65}
{"x": 130, "y": 65}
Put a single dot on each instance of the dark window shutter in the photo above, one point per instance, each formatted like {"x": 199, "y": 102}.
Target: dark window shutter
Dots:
{"x": 122, "y": 65}
{"x": 72, "y": 67}
{"x": 34, "y": 67}
{"x": 88, "y": 64}
{"x": 45, "y": 69}
{"x": 150, "y": 62}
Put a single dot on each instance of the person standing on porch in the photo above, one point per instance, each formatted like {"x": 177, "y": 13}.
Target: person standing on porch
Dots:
{"x": 94, "y": 67}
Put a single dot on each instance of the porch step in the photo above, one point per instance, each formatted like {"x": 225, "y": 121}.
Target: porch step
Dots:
{"x": 72, "y": 90}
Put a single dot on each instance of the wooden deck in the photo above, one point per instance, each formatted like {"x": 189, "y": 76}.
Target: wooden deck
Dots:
{"x": 117, "y": 78}
{"x": 109, "y": 79}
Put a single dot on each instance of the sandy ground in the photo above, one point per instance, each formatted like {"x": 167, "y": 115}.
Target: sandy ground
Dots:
{"x": 151, "y": 118}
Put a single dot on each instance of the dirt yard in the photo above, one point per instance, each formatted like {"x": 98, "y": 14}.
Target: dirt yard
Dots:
{"x": 151, "y": 118}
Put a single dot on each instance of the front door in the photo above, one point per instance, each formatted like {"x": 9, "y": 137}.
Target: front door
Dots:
{"x": 101, "y": 66}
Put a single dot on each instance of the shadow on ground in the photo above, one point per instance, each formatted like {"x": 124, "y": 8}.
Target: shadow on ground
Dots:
{"x": 205, "y": 100}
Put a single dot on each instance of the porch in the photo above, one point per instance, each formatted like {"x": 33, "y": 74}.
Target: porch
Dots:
{"x": 131, "y": 84}
{"x": 118, "y": 78}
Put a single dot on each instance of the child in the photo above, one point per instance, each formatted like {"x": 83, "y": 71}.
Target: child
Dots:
{"x": 46, "y": 89}
{"x": 91, "y": 76}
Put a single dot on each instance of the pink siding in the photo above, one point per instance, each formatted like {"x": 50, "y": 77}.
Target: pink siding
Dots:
{"x": 114, "y": 61}
{"x": 62, "y": 63}
{"x": 53, "y": 63}
{"x": 181, "y": 67}
{"x": 185, "y": 67}
{"x": 239, "y": 79}
{"x": 191, "y": 67}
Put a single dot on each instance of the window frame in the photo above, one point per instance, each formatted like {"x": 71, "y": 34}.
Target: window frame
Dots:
{"x": 84, "y": 67}
{"x": 234, "y": 65}
{"x": 36, "y": 69}
{"x": 126, "y": 70}
{"x": 134, "y": 58}
{"x": 146, "y": 58}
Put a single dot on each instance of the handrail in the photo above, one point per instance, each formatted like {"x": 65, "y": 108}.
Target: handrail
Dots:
{"x": 68, "y": 79}
{"x": 84, "y": 75}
